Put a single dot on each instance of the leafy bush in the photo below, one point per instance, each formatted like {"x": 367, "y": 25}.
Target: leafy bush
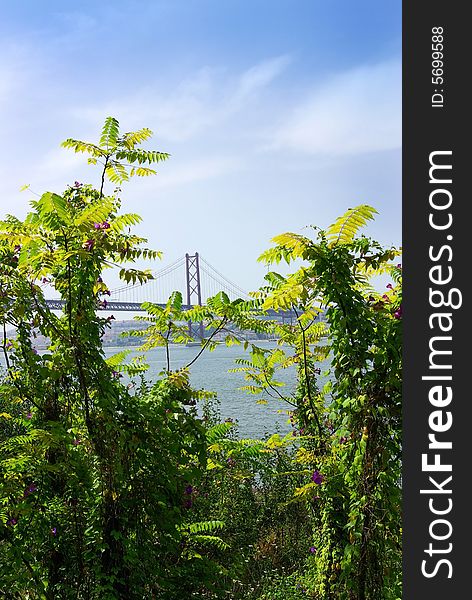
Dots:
{"x": 111, "y": 491}
{"x": 93, "y": 477}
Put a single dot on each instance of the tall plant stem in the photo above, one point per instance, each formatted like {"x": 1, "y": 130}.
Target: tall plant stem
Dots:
{"x": 103, "y": 175}
{"x": 307, "y": 375}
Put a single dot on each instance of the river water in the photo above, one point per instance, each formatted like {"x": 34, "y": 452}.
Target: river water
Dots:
{"x": 211, "y": 372}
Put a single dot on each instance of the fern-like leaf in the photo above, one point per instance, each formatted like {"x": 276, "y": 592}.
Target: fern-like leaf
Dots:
{"x": 52, "y": 208}
{"x": 126, "y": 220}
{"x": 131, "y": 139}
{"x": 117, "y": 359}
{"x": 110, "y": 132}
{"x": 95, "y": 212}
{"x": 79, "y": 146}
{"x": 142, "y": 156}
{"x": 116, "y": 172}
{"x": 141, "y": 171}
{"x": 345, "y": 228}
{"x": 204, "y": 526}
{"x": 218, "y": 432}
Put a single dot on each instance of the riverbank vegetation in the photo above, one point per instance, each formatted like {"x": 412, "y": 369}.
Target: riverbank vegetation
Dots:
{"x": 119, "y": 490}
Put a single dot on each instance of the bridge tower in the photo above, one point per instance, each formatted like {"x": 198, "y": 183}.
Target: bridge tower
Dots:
{"x": 194, "y": 292}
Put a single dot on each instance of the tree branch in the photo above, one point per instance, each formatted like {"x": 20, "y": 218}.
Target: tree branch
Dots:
{"x": 4, "y": 346}
{"x": 273, "y": 388}
{"x": 169, "y": 329}
{"x": 307, "y": 376}
{"x": 103, "y": 174}
{"x": 208, "y": 340}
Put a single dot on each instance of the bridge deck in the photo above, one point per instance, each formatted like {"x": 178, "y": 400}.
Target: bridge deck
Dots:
{"x": 114, "y": 306}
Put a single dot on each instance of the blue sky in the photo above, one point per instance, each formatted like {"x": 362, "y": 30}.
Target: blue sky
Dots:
{"x": 278, "y": 115}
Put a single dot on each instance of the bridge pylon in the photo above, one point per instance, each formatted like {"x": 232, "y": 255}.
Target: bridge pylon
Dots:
{"x": 194, "y": 292}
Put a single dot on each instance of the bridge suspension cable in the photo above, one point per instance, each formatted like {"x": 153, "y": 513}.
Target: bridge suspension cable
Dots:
{"x": 220, "y": 278}
{"x": 157, "y": 275}
{"x": 213, "y": 285}
{"x": 158, "y": 289}
{"x": 173, "y": 278}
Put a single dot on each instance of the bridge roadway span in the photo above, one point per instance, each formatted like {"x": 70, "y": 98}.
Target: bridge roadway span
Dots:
{"x": 137, "y": 307}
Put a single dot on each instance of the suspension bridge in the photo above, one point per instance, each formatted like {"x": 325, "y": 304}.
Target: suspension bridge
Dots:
{"x": 192, "y": 275}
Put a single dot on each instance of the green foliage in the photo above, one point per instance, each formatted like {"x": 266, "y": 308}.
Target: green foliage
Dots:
{"x": 92, "y": 476}
{"x": 352, "y": 426}
{"x": 118, "y": 154}
{"x": 248, "y": 487}
{"x": 284, "y": 588}
{"x": 345, "y": 228}
{"x": 109, "y": 490}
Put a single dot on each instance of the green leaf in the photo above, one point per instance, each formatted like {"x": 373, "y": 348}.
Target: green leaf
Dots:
{"x": 131, "y": 139}
{"x": 110, "y": 133}
{"x": 83, "y": 147}
{"x": 116, "y": 172}
{"x": 53, "y": 209}
{"x": 343, "y": 230}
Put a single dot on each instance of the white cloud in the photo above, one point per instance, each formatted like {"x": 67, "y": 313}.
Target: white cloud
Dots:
{"x": 258, "y": 77}
{"x": 191, "y": 170}
{"x": 200, "y": 102}
{"x": 356, "y": 112}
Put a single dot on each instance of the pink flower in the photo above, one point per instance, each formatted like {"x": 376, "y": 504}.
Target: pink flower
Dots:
{"x": 88, "y": 245}
{"x": 104, "y": 225}
{"x": 398, "y": 313}
{"x": 29, "y": 490}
